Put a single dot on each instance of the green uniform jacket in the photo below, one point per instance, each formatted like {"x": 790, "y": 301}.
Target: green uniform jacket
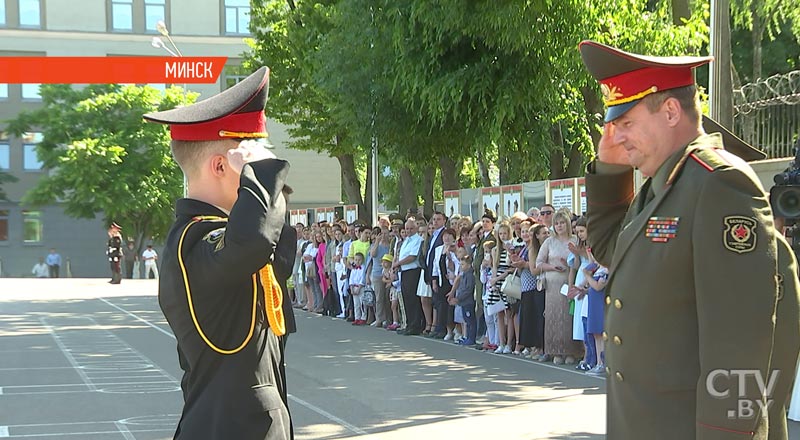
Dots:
{"x": 692, "y": 294}
{"x": 227, "y": 396}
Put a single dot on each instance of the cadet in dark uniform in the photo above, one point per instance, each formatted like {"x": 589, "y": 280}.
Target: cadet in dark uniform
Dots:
{"x": 218, "y": 289}
{"x": 697, "y": 267}
{"x": 114, "y": 252}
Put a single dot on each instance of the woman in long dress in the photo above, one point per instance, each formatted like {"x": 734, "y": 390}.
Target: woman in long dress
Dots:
{"x": 552, "y": 260}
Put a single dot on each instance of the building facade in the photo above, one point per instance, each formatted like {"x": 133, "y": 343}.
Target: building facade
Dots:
{"x": 116, "y": 28}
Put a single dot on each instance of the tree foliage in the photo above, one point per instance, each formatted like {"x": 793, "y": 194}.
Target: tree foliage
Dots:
{"x": 103, "y": 157}
{"x": 471, "y": 82}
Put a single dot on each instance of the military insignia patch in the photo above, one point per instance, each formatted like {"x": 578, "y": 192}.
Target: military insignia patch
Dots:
{"x": 217, "y": 238}
{"x": 740, "y": 234}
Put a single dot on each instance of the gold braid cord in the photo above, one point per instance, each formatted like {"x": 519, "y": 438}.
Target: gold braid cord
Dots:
{"x": 273, "y": 300}
{"x": 273, "y": 296}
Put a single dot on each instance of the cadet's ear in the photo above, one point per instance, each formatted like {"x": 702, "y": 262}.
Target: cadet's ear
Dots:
{"x": 218, "y": 165}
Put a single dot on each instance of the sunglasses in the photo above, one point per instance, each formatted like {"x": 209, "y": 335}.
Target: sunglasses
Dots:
{"x": 546, "y": 212}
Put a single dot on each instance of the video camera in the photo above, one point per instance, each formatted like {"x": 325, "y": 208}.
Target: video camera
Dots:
{"x": 785, "y": 198}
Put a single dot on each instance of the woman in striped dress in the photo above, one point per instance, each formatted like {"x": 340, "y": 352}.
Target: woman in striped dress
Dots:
{"x": 500, "y": 270}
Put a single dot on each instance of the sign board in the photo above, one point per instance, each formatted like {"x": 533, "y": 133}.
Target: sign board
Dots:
{"x": 562, "y": 194}
{"x": 582, "y": 196}
{"x": 512, "y": 200}
{"x": 350, "y": 213}
{"x": 452, "y": 204}
{"x": 490, "y": 198}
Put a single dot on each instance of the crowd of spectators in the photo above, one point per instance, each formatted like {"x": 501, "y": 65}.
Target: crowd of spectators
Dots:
{"x": 452, "y": 279}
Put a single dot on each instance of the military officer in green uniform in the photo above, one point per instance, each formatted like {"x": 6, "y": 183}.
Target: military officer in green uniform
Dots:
{"x": 218, "y": 290}
{"x": 698, "y": 271}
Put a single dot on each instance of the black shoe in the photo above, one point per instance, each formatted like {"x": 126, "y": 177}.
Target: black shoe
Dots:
{"x": 350, "y": 319}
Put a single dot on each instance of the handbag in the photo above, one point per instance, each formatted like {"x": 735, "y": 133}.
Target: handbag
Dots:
{"x": 368, "y": 296}
{"x": 512, "y": 286}
{"x": 540, "y": 284}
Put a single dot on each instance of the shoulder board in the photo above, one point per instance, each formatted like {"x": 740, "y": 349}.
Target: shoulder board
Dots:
{"x": 208, "y": 218}
{"x": 710, "y": 158}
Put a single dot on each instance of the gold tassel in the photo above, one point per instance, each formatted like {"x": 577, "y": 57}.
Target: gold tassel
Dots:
{"x": 273, "y": 300}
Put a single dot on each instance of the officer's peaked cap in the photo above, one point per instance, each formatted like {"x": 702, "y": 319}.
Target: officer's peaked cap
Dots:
{"x": 733, "y": 143}
{"x": 236, "y": 113}
{"x": 625, "y": 78}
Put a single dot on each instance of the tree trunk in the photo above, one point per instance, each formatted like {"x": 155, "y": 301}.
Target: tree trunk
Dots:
{"x": 483, "y": 169}
{"x": 352, "y": 187}
{"x": 503, "y": 165}
{"x": 576, "y": 162}
{"x": 756, "y": 37}
{"x": 557, "y": 154}
{"x": 594, "y": 107}
{"x": 428, "y": 178}
{"x": 681, "y": 12}
{"x": 408, "y": 196}
{"x": 450, "y": 170}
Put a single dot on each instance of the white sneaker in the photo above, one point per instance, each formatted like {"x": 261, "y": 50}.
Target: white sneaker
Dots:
{"x": 340, "y": 315}
{"x": 526, "y": 352}
{"x": 374, "y": 324}
{"x": 507, "y": 349}
{"x": 598, "y": 370}
{"x": 448, "y": 337}
{"x": 500, "y": 349}
{"x": 457, "y": 335}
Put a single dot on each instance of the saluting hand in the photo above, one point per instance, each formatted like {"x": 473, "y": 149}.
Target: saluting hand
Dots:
{"x": 610, "y": 152}
{"x": 247, "y": 151}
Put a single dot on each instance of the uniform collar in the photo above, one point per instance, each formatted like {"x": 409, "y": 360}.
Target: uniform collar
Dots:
{"x": 668, "y": 171}
{"x": 193, "y": 207}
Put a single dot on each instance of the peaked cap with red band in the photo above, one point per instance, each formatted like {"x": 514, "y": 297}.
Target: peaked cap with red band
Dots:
{"x": 236, "y": 113}
{"x": 625, "y": 78}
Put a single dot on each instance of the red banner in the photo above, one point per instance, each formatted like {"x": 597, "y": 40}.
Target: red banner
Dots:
{"x": 110, "y": 70}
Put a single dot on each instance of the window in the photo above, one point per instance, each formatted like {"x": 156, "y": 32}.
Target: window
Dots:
{"x": 30, "y": 158}
{"x": 31, "y": 92}
{"x": 237, "y": 16}
{"x": 234, "y": 74}
{"x": 3, "y": 225}
{"x": 29, "y": 14}
{"x": 154, "y": 10}
{"x": 122, "y": 15}
{"x": 3, "y": 89}
{"x": 2, "y": 13}
{"x": 5, "y": 161}
{"x": 32, "y": 226}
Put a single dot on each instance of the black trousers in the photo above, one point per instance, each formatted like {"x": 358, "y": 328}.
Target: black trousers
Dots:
{"x": 116, "y": 274}
{"x": 442, "y": 307}
{"x": 409, "y": 281}
{"x": 53, "y": 269}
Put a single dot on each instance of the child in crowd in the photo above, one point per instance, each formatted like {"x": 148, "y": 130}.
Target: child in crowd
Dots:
{"x": 340, "y": 266}
{"x": 356, "y": 284}
{"x": 596, "y": 278}
{"x": 491, "y": 340}
{"x": 389, "y": 277}
{"x": 577, "y": 261}
{"x": 464, "y": 297}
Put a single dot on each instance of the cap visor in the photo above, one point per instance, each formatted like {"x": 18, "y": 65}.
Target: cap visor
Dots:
{"x": 616, "y": 111}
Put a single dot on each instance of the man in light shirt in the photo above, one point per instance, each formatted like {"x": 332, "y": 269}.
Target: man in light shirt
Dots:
{"x": 40, "y": 270}
{"x": 149, "y": 256}
{"x": 409, "y": 280}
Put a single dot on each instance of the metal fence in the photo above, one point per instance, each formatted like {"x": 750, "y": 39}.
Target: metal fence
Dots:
{"x": 767, "y": 114}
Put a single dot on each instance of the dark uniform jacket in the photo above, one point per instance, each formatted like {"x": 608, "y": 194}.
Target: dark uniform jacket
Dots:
{"x": 216, "y": 263}
{"x": 692, "y": 294}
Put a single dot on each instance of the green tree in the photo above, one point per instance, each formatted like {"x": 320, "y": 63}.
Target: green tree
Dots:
{"x": 5, "y": 178}
{"x": 104, "y": 158}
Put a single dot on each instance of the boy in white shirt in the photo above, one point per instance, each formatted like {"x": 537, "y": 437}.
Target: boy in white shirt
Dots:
{"x": 150, "y": 256}
{"x": 356, "y": 283}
